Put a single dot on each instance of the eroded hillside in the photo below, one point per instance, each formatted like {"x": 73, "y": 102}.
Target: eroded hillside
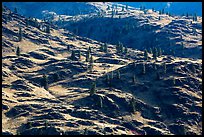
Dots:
{"x": 132, "y": 95}
{"x": 140, "y": 29}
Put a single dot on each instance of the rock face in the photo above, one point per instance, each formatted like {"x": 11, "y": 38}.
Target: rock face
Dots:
{"x": 108, "y": 93}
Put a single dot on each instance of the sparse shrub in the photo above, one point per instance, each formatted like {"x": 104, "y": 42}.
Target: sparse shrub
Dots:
{"x": 18, "y": 51}
{"x": 93, "y": 88}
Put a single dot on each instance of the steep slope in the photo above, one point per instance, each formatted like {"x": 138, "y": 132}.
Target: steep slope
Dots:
{"x": 161, "y": 105}
{"x": 175, "y": 35}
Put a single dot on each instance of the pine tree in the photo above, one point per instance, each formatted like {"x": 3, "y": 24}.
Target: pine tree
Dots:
{"x": 132, "y": 103}
{"x": 73, "y": 55}
{"x": 102, "y": 48}
{"x": 15, "y": 10}
{"x": 48, "y": 29}
{"x": 93, "y": 88}
{"x": 100, "y": 102}
{"x": 68, "y": 47}
{"x": 134, "y": 79}
{"x": 143, "y": 69}
{"x": 160, "y": 52}
{"x": 79, "y": 55}
{"x": 195, "y": 17}
{"x": 155, "y": 66}
{"x": 107, "y": 79}
{"x": 118, "y": 74}
{"x": 125, "y": 50}
{"x": 126, "y": 7}
{"x": 145, "y": 55}
{"x": 122, "y": 8}
{"x": 164, "y": 68}
{"x": 87, "y": 55}
{"x": 105, "y": 48}
{"x": 89, "y": 49}
{"x": 155, "y": 53}
{"x": 111, "y": 75}
{"x": 56, "y": 77}
{"x": 20, "y": 34}
{"x": 45, "y": 82}
{"x": 150, "y": 50}
{"x": 158, "y": 76}
{"x": 162, "y": 11}
{"x": 18, "y": 51}
{"x": 173, "y": 81}
{"x": 91, "y": 63}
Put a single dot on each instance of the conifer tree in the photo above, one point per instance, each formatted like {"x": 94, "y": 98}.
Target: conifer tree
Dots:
{"x": 91, "y": 63}
{"x": 164, "y": 68}
{"x": 145, "y": 55}
{"x": 132, "y": 103}
{"x": 134, "y": 79}
{"x": 45, "y": 82}
{"x": 93, "y": 88}
{"x": 105, "y": 48}
{"x": 47, "y": 29}
{"x": 15, "y": 10}
{"x": 79, "y": 55}
{"x": 125, "y": 50}
{"x": 20, "y": 34}
{"x": 118, "y": 74}
{"x": 73, "y": 55}
{"x": 87, "y": 56}
{"x": 143, "y": 69}
{"x": 160, "y": 52}
{"x": 150, "y": 50}
{"x": 100, "y": 102}
{"x": 155, "y": 53}
{"x": 18, "y": 51}
{"x": 68, "y": 47}
{"x": 158, "y": 76}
